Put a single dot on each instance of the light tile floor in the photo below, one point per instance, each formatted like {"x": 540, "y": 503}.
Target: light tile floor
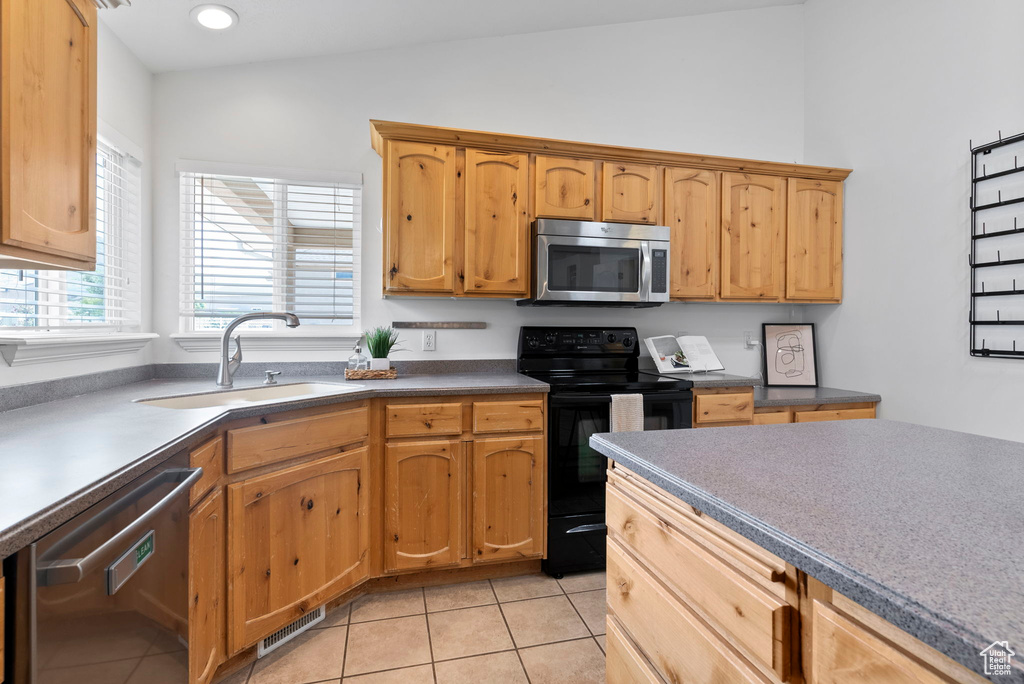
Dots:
{"x": 519, "y": 630}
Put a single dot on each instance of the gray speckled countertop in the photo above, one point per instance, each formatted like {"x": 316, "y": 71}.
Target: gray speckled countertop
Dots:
{"x": 59, "y": 458}
{"x": 809, "y": 396}
{"x": 718, "y": 380}
{"x": 922, "y": 526}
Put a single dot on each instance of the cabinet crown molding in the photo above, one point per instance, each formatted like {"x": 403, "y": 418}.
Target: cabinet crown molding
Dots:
{"x": 392, "y": 130}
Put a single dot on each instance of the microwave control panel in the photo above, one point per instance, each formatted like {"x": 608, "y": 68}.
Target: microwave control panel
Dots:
{"x": 659, "y": 270}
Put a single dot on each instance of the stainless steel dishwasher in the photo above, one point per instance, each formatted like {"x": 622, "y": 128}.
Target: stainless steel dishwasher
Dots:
{"x": 103, "y": 599}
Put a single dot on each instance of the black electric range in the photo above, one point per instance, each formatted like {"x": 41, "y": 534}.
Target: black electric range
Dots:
{"x": 585, "y": 367}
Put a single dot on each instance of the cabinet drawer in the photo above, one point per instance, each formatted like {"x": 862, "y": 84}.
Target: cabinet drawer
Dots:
{"x": 734, "y": 407}
{"x": 422, "y": 420}
{"x": 624, "y": 662}
{"x": 845, "y": 652}
{"x": 747, "y": 615}
{"x": 677, "y": 641}
{"x": 508, "y": 416}
{"x": 209, "y": 457}
{"x": 765, "y": 568}
{"x": 836, "y": 414}
{"x": 777, "y": 418}
{"x": 261, "y": 445}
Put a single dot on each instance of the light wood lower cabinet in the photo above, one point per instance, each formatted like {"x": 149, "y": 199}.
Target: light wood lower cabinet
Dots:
{"x": 423, "y": 510}
{"x": 207, "y": 589}
{"x": 509, "y": 500}
{"x": 682, "y": 609}
{"x": 731, "y": 406}
{"x": 296, "y": 538}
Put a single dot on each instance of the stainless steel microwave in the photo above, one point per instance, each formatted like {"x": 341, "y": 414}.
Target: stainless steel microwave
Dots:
{"x": 599, "y": 264}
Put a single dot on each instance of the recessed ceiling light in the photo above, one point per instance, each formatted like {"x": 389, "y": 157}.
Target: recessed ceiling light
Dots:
{"x": 215, "y": 17}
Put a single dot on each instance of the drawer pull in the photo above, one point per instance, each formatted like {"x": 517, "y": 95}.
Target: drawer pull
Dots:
{"x": 593, "y": 527}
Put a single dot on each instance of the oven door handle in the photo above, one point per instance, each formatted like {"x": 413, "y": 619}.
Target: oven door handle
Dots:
{"x": 584, "y": 398}
{"x": 72, "y": 570}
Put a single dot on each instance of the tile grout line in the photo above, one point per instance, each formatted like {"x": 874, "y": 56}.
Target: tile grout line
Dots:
{"x": 510, "y": 634}
{"x": 348, "y": 632}
{"x": 430, "y": 640}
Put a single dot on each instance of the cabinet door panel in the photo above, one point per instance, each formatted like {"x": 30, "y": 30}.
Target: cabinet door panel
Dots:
{"x": 692, "y": 211}
{"x": 814, "y": 240}
{"x": 296, "y": 538}
{"x": 497, "y": 224}
{"x": 207, "y": 585}
{"x": 631, "y": 193}
{"x": 753, "y": 218}
{"x": 48, "y": 49}
{"x": 423, "y": 505}
{"x": 509, "y": 511}
{"x": 565, "y": 188}
{"x": 420, "y": 219}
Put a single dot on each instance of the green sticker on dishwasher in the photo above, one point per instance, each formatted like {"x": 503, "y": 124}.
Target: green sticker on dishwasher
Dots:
{"x": 144, "y": 549}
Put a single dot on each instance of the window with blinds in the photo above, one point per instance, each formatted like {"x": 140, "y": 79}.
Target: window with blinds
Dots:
{"x": 107, "y": 298}
{"x": 268, "y": 244}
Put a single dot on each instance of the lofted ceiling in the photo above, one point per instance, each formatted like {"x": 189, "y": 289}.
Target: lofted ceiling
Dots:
{"x": 163, "y": 36}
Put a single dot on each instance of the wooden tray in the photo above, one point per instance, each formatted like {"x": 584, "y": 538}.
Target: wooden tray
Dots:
{"x": 389, "y": 374}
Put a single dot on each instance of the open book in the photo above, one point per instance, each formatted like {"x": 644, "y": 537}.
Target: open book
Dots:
{"x": 683, "y": 354}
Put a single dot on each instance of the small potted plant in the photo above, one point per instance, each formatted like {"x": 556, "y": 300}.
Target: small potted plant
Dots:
{"x": 380, "y": 341}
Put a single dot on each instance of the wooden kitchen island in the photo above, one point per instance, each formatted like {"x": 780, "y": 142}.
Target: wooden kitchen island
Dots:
{"x": 837, "y": 552}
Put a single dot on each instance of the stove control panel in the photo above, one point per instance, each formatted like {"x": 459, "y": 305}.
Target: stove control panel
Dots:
{"x": 562, "y": 341}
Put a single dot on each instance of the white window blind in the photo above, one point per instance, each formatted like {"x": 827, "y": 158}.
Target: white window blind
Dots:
{"x": 106, "y": 298}
{"x": 268, "y": 244}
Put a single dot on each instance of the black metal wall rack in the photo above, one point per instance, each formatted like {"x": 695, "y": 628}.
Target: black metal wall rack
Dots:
{"x": 988, "y": 310}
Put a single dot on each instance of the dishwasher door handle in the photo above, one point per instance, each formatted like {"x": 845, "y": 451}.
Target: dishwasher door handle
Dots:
{"x": 71, "y": 570}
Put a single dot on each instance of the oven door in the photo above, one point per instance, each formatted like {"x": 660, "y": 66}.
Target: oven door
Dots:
{"x": 585, "y": 269}
{"x": 576, "y": 473}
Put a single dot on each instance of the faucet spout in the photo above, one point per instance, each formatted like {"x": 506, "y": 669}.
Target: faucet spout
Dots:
{"x": 230, "y": 364}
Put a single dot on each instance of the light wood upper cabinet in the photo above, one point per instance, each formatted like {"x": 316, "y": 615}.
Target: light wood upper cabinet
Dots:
{"x": 207, "y": 607}
{"x": 753, "y": 236}
{"x": 497, "y": 236}
{"x": 419, "y": 249}
{"x": 814, "y": 240}
{"x": 48, "y": 134}
{"x": 509, "y": 509}
{"x": 692, "y": 212}
{"x": 296, "y": 538}
{"x": 631, "y": 193}
{"x": 565, "y": 188}
{"x": 423, "y": 505}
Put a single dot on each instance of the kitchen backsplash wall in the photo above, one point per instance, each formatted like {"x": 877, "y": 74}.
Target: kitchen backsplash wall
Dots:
{"x": 665, "y": 84}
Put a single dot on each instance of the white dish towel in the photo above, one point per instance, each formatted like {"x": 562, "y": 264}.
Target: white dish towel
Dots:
{"x": 627, "y": 413}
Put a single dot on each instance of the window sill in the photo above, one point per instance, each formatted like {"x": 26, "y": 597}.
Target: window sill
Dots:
{"x": 45, "y": 347}
{"x": 268, "y": 341}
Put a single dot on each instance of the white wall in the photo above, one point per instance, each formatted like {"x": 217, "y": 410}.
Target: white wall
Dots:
{"x": 124, "y": 102}
{"x": 727, "y": 84}
{"x": 895, "y": 90}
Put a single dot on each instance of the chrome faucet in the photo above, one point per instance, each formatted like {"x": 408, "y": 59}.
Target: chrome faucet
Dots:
{"x": 228, "y": 365}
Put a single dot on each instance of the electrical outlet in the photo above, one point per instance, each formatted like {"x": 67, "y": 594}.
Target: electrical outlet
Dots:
{"x": 429, "y": 340}
{"x": 748, "y": 340}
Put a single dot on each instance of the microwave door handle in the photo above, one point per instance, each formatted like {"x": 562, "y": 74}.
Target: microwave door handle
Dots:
{"x": 645, "y": 272}
{"x": 69, "y": 571}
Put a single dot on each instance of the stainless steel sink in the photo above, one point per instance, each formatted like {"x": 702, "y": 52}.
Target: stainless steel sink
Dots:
{"x": 250, "y": 395}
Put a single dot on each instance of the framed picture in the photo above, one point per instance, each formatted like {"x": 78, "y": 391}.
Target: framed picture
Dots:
{"x": 790, "y": 357}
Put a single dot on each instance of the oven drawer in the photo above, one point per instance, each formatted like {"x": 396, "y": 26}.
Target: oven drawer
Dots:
{"x": 731, "y": 407}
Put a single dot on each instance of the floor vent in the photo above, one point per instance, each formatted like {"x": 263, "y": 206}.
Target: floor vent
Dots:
{"x": 289, "y": 632}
